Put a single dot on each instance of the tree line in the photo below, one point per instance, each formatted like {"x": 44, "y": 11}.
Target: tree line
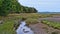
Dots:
{"x": 12, "y": 6}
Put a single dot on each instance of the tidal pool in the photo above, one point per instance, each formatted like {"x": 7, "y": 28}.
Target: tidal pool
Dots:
{"x": 23, "y": 29}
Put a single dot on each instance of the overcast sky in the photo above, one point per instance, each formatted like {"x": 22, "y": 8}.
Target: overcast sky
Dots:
{"x": 43, "y": 5}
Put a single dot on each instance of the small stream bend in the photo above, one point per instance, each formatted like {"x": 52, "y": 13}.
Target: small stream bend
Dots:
{"x": 23, "y": 29}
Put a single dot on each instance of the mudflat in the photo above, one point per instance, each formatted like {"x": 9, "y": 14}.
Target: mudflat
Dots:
{"x": 41, "y": 28}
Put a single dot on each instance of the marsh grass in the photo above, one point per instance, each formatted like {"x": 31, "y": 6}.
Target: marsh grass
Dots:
{"x": 55, "y": 25}
{"x": 11, "y": 21}
{"x": 7, "y": 27}
{"x": 32, "y": 21}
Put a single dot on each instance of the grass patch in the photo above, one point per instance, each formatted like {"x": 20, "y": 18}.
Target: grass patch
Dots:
{"x": 7, "y": 27}
{"x": 11, "y": 21}
{"x": 32, "y": 21}
{"x": 32, "y": 15}
{"x": 55, "y": 25}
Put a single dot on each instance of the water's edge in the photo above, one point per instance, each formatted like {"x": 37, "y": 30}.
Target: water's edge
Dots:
{"x": 23, "y": 29}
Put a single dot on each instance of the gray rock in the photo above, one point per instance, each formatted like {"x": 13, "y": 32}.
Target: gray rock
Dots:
{"x": 1, "y": 21}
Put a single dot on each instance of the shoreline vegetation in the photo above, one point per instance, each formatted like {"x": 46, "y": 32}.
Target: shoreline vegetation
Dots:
{"x": 10, "y": 7}
{"x": 11, "y": 22}
{"x": 55, "y": 25}
{"x": 11, "y": 12}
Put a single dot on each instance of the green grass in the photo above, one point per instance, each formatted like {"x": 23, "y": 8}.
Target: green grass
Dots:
{"x": 8, "y": 22}
{"x": 12, "y": 19}
{"x": 7, "y": 27}
{"x": 55, "y": 25}
{"x": 32, "y": 21}
{"x": 31, "y": 15}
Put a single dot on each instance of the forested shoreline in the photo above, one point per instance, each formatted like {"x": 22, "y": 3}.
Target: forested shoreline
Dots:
{"x": 13, "y": 6}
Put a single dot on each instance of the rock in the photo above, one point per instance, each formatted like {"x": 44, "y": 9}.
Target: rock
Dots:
{"x": 25, "y": 31}
{"x": 1, "y": 22}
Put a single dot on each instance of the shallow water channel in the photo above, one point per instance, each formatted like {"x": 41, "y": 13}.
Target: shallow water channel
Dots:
{"x": 23, "y": 29}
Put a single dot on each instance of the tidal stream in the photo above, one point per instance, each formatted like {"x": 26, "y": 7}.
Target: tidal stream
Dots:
{"x": 23, "y": 29}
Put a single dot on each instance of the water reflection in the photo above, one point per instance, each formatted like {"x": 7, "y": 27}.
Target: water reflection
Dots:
{"x": 22, "y": 29}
